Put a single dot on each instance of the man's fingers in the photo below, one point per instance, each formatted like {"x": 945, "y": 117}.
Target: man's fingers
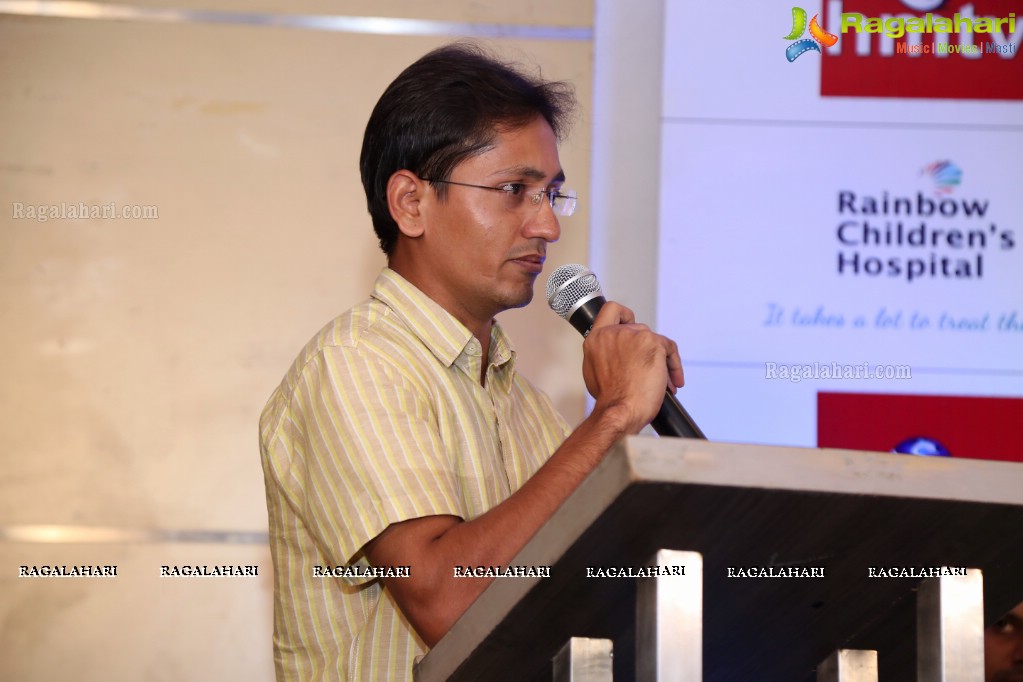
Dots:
{"x": 676, "y": 377}
{"x": 613, "y": 313}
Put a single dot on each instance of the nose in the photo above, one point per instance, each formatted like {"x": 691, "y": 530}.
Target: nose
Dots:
{"x": 543, "y": 223}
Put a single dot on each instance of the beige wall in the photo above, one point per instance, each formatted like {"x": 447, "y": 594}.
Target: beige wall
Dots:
{"x": 136, "y": 354}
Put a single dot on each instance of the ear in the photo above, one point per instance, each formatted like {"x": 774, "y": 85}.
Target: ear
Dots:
{"x": 405, "y": 192}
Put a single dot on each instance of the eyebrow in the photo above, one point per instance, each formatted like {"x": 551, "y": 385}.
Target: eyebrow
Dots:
{"x": 1012, "y": 619}
{"x": 531, "y": 173}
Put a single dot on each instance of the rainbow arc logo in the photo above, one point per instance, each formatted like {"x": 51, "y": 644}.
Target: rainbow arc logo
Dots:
{"x": 818, "y": 36}
{"x": 945, "y": 174}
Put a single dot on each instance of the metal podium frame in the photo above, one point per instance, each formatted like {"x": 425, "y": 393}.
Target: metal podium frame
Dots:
{"x": 719, "y": 509}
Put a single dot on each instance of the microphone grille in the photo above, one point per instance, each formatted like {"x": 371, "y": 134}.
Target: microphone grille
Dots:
{"x": 568, "y": 285}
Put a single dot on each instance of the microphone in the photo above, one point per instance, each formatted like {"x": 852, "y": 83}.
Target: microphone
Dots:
{"x": 573, "y": 292}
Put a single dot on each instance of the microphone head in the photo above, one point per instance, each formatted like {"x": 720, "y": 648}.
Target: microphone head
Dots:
{"x": 569, "y": 286}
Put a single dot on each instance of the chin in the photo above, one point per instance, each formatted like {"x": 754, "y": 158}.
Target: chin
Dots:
{"x": 520, "y": 299}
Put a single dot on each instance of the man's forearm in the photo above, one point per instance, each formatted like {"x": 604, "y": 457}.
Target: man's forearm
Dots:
{"x": 433, "y": 599}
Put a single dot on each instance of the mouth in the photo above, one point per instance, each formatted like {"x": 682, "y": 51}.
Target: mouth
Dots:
{"x": 530, "y": 262}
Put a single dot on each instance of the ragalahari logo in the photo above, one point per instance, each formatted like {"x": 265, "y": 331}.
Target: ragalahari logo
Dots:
{"x": 820, "y": 37}
{"x": 932, "y": 49}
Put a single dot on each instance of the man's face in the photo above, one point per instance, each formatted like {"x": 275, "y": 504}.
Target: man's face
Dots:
{"x": 1003, "y": 648}
{"x": 484, "y": 257}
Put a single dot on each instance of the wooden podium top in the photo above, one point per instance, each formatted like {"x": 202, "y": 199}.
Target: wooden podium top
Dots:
{"x": 749, "y": 507}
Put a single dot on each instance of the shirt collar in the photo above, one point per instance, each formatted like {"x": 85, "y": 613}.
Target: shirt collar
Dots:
{"x": 446, "y": 337}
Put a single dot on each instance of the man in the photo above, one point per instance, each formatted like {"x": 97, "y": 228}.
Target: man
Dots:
{"x": 402, "y": 436}
{"x": 1003, "y": 648}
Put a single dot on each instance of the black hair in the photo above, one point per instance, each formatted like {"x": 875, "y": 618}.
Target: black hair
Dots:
{"x": 443, "y": 109}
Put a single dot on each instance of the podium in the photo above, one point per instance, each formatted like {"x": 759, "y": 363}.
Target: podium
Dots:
{"x": 873, "y": 523}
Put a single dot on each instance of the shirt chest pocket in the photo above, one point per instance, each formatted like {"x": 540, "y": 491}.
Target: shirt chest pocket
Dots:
{"x": 474, "y": 440}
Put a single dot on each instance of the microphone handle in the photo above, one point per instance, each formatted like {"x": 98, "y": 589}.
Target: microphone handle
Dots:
{"x": 585, "y": 314}
{"x": 672, "y": 419}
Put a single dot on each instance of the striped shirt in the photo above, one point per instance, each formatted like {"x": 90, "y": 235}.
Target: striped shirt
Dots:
{"x": 382, "y": 419}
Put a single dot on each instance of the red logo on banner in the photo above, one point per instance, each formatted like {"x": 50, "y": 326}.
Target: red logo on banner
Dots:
{"x": 965, "y": 426}
{"x": 940, "y": 50}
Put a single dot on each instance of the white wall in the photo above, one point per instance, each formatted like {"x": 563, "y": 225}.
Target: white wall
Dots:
{"x": 137, "y": 354}
{"x": 628, "y": 43}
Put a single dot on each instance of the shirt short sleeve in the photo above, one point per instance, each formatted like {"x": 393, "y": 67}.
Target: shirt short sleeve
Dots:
{"x": 366, "y": 452}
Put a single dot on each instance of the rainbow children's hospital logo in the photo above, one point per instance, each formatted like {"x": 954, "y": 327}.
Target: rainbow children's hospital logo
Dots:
{"x": 945, "y": 175}
{"x": 819, "y": 37}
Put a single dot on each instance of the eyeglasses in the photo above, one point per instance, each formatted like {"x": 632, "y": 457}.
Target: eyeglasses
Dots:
{"x": 516, "y": 195}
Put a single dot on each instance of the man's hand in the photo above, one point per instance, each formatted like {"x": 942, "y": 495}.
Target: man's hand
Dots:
{"x": 626, "y": 366}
